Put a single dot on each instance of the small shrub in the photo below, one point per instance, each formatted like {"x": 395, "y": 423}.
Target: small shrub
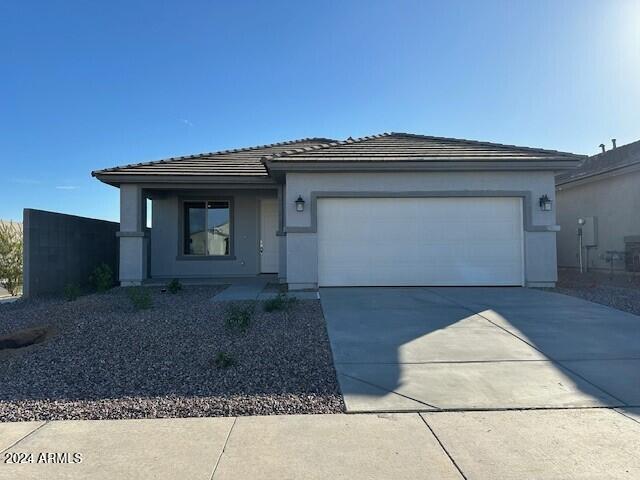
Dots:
{"x": 11, "y": 257}
{"x": 224, "y": 360}
{"x": 102, "y": 278}
{"x": 174, "y": 286}
{"x": 281, "y": 302}
{"x": 239, "y": 317}
{"x": 71, "y": 292}
{"x": 140, "y": 297}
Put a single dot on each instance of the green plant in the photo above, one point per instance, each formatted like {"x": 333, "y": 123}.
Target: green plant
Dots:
{"x": 140, "y": 297}
{"x": 239, "y": 317}
{"x": 174, "y": 286}
{"x": 71, "y": 292}
{"x": 281, "y": 302}
{"x": 11, "y": 257}
{"x": 224, "y": 360}
{"x": 102, "y": 278}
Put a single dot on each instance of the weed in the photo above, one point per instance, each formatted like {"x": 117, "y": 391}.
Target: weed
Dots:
{"x": 140, "y": 297}
{"x": 224, "y": 360}
{"x": 281, "y": 302}
{"x": 174, "y": 286}
{"x": 239, "y": 317}
{"x": 102, "y": 278}
{"x": 71, "y": 292}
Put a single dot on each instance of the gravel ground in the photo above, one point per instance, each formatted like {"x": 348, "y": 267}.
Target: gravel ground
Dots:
{"x": 107, "y": 360}
{"x": 617, "y": 291}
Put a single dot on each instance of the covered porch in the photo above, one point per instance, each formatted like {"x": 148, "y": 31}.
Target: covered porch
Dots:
{"x": 201, "y": 232}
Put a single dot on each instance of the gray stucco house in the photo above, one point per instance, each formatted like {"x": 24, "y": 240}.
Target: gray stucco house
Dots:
{"x": 393, "y": 209}
{"x": 604, "y": 193}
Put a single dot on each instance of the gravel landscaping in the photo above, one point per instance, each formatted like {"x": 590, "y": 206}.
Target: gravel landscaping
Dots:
{"x": 103, "y": 359}
{"x": 618, "y": 291}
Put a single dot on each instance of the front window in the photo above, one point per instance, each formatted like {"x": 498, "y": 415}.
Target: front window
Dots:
{"x": 207, "y": 227}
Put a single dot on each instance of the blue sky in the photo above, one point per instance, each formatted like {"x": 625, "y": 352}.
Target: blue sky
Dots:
{"x": 86, "y": 85}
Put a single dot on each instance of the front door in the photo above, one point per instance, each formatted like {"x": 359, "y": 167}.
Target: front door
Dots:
{"x": 269, "y": 258}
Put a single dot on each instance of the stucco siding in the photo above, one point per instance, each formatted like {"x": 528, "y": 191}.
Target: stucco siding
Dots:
{"x": 540, "y": 258}
{"x": 614, "y": 201}
{"x": 302, "y": 257}
{"x": 166, "y": 251}
{"x": 282, "y": 256}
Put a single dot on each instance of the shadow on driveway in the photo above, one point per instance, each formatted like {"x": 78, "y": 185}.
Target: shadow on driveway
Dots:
{"x": 407, "y": 349}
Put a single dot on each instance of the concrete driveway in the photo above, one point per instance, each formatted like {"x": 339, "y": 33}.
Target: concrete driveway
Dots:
{"x": 422, "y": 349}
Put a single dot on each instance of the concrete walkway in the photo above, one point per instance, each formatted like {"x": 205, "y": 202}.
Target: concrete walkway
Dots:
{"x": 547, "y": 444}
{"x": 242, "y": 289}
{"x": 422, "y": 349}
{"x": 257, "y": 288}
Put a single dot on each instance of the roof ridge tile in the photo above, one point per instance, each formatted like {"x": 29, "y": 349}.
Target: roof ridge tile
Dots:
{"x": 480, "y": 142}
{"x": 323, "y": 146}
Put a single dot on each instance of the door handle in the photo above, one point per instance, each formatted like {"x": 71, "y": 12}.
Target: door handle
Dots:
{"x": 261, "y": 247}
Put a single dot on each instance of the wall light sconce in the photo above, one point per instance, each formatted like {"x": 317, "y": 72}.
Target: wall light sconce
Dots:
{"x": 545, "y": 203}
{"x": 300, "y": 204}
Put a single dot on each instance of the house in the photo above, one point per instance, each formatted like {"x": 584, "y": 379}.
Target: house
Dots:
{"x": 393, "y": 209}
{"x": 604, "y": 194}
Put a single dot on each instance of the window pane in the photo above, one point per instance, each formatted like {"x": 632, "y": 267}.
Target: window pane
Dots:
{"x": 218, "y": 240}
{"x": 194, "y": 225}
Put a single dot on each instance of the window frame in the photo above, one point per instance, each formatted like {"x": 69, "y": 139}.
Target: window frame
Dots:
{"x": 182, "y": 225}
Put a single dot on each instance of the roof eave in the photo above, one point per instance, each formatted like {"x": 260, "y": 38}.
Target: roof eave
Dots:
{"x": 116, "y": 179}
{"x": 582, "y": 178}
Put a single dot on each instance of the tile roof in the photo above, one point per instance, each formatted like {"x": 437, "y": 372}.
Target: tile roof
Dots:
{"x": 407, "y": 147}
{"x": 386, "y": 147}
{"x": 605, "y": 162}
{"x": 237, "y": 162}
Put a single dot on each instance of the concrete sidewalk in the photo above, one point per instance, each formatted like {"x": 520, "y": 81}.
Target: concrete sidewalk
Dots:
{"x": 577, "y": 443}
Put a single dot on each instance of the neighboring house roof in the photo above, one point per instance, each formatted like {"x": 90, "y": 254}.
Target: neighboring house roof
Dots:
{"x": 607, "y": 162}
{"x": 236, "y": 162}
{"x": 251, "y": 163}
{"x": 405, "y": 147}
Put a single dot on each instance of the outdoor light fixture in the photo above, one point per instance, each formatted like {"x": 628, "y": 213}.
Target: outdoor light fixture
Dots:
{"x": 545, "y": 203}
{"x": 300, "y": 204}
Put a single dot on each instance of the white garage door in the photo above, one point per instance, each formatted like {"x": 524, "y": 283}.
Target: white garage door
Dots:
{"x": 420, "y": 241}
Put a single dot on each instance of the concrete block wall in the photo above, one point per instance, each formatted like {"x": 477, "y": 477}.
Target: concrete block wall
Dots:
{"x": 60, "y": 249}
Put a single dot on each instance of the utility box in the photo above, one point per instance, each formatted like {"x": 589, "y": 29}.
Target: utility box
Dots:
{"x": 589, "y": 232}
{"x": 632, "y": 253}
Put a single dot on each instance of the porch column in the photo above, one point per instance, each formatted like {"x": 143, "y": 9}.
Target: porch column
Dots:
{"x": 132, "y": 234}
{"x": 282, "y": 237}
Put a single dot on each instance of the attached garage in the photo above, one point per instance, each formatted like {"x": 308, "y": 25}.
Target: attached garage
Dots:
{"x": 386, "y": 241}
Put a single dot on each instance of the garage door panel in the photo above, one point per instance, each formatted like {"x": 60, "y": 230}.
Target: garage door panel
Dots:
{"x": 420, "y": 241}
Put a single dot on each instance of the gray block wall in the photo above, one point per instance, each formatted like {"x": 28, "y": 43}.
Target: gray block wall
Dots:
{"x": 60, "y": 249}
